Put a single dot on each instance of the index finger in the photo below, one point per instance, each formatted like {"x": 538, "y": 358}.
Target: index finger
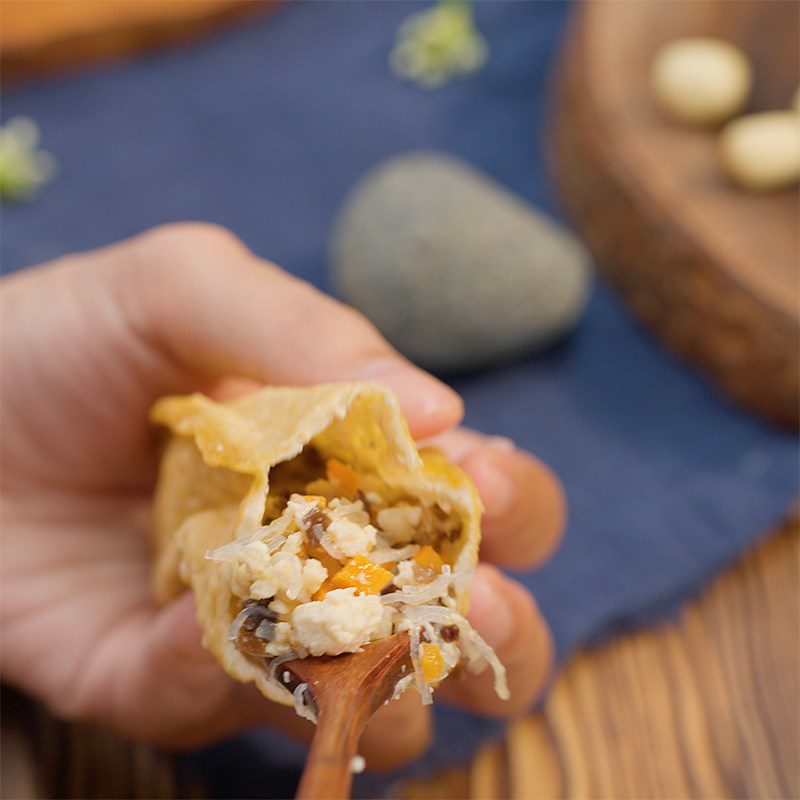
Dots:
{"x": 524, "y": 501}
{"x": 239, "y": 315}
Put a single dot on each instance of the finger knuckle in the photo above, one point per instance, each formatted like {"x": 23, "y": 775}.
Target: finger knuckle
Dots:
{"x": 318, "y": 313}
{"x": 74, "y": 700}
{"x": 363, "y": 331}
{"x": 170, "y": 256}
{"x": 180, "y": 243}
{"x": 369, "y": 345}
{"x": 65, "y": 705}
{"x": 538, "y": 521}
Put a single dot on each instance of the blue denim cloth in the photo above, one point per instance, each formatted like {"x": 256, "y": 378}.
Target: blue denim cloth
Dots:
{"x": 264, "y": 129}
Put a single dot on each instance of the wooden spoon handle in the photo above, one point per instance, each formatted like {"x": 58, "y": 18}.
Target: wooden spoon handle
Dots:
{"x": 328, "y": 774}
{"x": 346, "y": 691}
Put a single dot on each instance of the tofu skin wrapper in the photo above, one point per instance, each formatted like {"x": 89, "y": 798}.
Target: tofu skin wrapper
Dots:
{"x": 214, "y": 485}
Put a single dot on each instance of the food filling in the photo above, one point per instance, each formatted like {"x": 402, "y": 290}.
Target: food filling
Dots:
{"x": 342, "y": 561}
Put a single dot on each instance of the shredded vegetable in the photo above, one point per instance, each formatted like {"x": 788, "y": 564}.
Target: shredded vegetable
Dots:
{"x": 385, "y": 554}
{"x": 423, "y": 687}
{"x": 424, "y": 593}
{"x": 329, "y": 578}
{"x": 303, "y": 704}
{"x": 247, "y": 612}
{"x": 275, "y": 663}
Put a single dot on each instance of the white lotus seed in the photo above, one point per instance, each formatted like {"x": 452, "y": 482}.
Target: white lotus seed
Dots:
{"x": 762, "y": 151}
{"x": 700, "y": 81}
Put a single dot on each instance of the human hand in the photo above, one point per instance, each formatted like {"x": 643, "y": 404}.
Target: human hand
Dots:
{"x": 88, "y": 343}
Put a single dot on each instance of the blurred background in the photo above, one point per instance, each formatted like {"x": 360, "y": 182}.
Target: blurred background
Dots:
{"x": 584, "y": 217}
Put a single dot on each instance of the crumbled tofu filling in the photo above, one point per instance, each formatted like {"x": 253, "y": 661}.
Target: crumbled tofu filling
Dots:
{"x": 337, "y": 566}
{"x": 342, "y": 622}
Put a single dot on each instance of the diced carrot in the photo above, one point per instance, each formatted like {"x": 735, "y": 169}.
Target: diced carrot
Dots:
{"x": 431, "y": 662}
{"x": 341, "y": 474}
{"x": 363, "y": 575}
{"x": 323, "y": 590}
{"x": 321, "y": 501}
{"x": 427, "y": 557}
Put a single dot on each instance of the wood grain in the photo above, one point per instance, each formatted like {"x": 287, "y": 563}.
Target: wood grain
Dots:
{"x": 346, "y": 691}
{"x": 707, "y": 707}
{"x": 43, "y": 757}
{"x": 711, "y": 268}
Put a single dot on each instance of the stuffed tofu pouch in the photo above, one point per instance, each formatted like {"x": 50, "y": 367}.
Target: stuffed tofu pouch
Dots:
{"x": 307, "y": 524}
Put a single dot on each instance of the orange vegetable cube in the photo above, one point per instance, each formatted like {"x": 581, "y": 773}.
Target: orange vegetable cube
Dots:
{"x": 321, "y": 501}
{"x": 431, "y": 662}
{"x": 427, "y": 557}
{"x": 363, "y": 575}
{"x": 341, "y": 474}
{"x": 323, "y": 590}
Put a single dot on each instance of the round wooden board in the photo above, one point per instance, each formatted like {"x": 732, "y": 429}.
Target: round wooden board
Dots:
{"x": 37, "y": 36}
{"x": 711, "y": 268}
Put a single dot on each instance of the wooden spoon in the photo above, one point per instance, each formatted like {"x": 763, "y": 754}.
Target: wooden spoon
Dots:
{"x": 345, "y": 691}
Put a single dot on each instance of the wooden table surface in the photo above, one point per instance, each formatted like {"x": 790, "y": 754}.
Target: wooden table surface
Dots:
{"x": 705, "y": 707}
{"x": 39, "y": 36}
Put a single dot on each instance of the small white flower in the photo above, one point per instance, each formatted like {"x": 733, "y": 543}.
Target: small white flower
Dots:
{"x": 23, "y": 168}
{"x": 437, "y": 44}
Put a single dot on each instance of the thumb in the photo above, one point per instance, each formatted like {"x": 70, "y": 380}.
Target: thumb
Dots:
{"x": 167, "y": 688}
{"x": 198, "y": 294}
{"x": 177, "y": 682}
{"x": 170, "y": 690}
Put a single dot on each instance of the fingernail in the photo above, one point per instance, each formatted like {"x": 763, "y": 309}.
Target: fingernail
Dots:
{"x": 429, "y": 404}
{"x": 495, "y": 487}
{"x": 489, "y": 612}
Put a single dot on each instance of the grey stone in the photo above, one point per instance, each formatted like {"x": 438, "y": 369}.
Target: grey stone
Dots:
{"x": 455, "y": 271}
